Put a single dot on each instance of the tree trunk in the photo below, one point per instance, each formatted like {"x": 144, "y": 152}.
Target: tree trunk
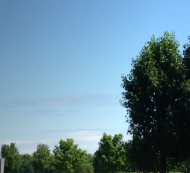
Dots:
{"x": 163, "y": 166}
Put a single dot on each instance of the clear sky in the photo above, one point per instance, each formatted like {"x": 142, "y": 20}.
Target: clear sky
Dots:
{"x": 61, "y": 63}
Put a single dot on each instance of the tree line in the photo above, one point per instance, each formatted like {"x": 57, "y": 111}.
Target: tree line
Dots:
{"x": 66, "y": 157}
{"x": 157, "y": 99}
{"x": 114, "y": 155}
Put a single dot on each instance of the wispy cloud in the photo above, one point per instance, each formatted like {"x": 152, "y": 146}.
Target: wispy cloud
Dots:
{"x": 17, "y": 142}
{"x": 79, "y": 130}
{"x": 69, "y": 100}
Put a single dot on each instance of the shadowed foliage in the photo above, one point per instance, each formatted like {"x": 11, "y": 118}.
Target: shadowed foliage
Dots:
{"x": 157, "y": 99}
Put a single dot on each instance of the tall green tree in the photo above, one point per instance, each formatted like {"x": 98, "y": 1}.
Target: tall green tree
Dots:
{"x": 111, "y": 155}
{"x": 157, "y": 96}
{"x": 12, "y": 158}
{"x": 68, "y": 156}
{"x": 42, "y": 158}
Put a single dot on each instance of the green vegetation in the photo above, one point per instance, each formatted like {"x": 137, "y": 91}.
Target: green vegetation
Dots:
{"x": 157, "y": 99}
{"x": 13, "y": 159}
{"x": 27, "y": 164}
{"x": 111, "y": 155}
{"x": 68, "y": 156}
{"x": 84, "y": 168}
{"x": 42, "y": 159}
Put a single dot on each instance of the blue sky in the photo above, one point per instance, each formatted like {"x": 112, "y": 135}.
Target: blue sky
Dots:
{"x": 61, "y": 64}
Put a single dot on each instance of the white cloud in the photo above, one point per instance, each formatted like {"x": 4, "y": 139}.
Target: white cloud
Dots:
{"x": 26, "y": 150}
{"x": 85, "y": 139}
{"x": 85, "y": 135}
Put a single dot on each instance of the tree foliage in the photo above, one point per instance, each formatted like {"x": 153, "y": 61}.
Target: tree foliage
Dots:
{"x": 157, "y": 95}
{"x": 84, "y": 168}
{"x": 90, "y": 158}
{"x": 27, "y": 164}
{"x": 41, "y": 158}
{"x": 111, "y": 155}
{"x": 141, "y": 156}
{"x": 12, "y": 158}
{"x": 68, "y": 156}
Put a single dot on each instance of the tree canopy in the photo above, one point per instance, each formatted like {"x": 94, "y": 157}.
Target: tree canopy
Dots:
{"x": 41, "y": 158}
{"x": 27, "y": 164}
{"x": 84, "y": 168}
{"x": 157, "y": 95}
{"x": 12, "y": 158}
{"x": 68, "y": 156}
{"x": 111, "y": 155}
